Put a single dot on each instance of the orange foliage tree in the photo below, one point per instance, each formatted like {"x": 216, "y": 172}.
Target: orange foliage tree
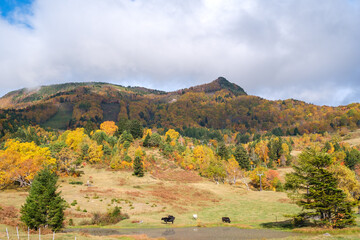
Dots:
{"x": 109, "y": 127}
{"x": 20, "y": 162}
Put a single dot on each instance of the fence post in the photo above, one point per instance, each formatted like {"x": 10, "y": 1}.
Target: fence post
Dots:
{"x": 28, "y": 233}
{"x": 39, "y": 233}
{"x": 53, "y": 235}
{"x": 17, "y": 232}
{"x": 7, "y": 233}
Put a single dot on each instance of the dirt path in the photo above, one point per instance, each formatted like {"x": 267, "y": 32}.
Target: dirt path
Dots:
{"x": 212, "y": 233}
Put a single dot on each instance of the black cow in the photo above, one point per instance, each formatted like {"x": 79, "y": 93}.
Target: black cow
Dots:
{"x": 226, "y": 219}
{"x": 168, "y": 219}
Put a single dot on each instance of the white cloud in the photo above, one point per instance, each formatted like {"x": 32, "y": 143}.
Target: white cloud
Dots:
{"x": 291, "y": 49}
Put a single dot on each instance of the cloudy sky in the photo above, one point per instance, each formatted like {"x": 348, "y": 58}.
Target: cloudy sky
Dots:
{"x": 307, "y": 50}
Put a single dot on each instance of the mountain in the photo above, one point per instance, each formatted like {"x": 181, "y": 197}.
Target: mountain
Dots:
{"x": 217, "y": 85}
{"x": 24, "y": 97}
{"x": 219, "y": 104}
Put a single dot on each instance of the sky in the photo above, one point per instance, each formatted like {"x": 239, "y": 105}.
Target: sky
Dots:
{"x": 307, "y": 50}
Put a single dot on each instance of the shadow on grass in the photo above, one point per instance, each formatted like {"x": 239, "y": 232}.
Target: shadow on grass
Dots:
{"x": 286, "y": 225}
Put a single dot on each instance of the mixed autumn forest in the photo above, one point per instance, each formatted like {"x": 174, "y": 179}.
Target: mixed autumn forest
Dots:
{"x": 183, "y": 141}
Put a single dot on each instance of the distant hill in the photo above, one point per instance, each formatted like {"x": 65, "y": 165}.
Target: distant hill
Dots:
{"x": 219, "y": 104}
{"x": 219, "y": 84}
{"x": 24, "y": 97}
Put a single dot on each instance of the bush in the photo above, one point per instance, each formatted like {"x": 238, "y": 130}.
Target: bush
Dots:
{"x": 270, "y": 179}
{"x": 155, "y": 140}
{"x": 71, "y": 222}
{"x": 112, "y": 217}
{"x": 76, "y": 182}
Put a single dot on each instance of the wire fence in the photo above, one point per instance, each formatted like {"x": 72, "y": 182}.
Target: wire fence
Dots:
{"x": 21, "y": 235}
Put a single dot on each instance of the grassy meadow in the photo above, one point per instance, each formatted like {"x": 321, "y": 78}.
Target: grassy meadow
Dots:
{"x": 167, "y": 190}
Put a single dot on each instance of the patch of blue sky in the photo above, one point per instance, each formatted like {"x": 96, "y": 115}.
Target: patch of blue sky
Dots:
{"x": 15, "y": 11}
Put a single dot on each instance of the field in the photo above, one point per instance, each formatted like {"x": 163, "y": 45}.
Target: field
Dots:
{"x": 61, "y": 119}
{"x": 165, "y": 190}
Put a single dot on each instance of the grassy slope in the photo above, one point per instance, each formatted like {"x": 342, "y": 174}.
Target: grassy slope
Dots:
{"x": 170, "y": 191}
{"x": 61, "y": 119}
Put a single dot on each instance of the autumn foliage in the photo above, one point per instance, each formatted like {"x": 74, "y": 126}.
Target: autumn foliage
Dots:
{"x": 20, "y": 162}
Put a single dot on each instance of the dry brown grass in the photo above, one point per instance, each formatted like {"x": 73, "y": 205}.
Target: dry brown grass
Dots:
{"x": 9, "y": 215}
{"x": 177, "y": 176}
{"x": 93, "y": 190}
{"x": 72, "y": 213}
{"x": 121, "y": 182}
{"x": 134, "y": 193}
{"x": 183, "y": 195}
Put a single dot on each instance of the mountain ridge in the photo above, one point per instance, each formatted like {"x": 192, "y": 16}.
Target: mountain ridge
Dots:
{"x": 219, "y": 104}
{"x": 14, "y": 98}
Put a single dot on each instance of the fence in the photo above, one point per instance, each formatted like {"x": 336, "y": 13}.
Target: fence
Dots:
{"x": 28, "y": 236}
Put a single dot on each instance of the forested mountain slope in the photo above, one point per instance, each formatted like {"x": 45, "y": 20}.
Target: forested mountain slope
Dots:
{"x": 219, "y": 105}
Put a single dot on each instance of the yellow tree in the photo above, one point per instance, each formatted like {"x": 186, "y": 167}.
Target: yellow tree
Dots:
{"x": 172, "y": 133}
{"x": 109, "y": 127}
{"x": 199, "y": 155}
{"x": 346, "y": 181}
{"x": 20, "y": 162}
{"x": 233, "y": 170}
{"x": 262, "y": 150}
{"x": 95, "y": 153}
{"x": 66, "y": 160}
{"x": 146, "y": 132}
{"x": 74, "y": 138}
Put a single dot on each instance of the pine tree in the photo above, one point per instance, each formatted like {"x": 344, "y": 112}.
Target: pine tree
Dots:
{"x": 136, "y": 129}
{"x": 126, "y": 136}
{"x": 223, "y": 151}
{"x": 138, "y": 167}
{"x": 242, "y": 157}
{"x": 44, "y": 205}
{"x": 315, "y": 188}
{"x": 146, "y": 141}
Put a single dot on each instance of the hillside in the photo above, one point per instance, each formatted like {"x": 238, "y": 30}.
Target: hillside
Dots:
{"x": 219, "y": 104}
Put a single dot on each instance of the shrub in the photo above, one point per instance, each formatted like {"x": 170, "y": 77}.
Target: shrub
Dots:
{"x": 76, "y": 182}
{"x": 71, "y": 222}
{"x": 112, "y": 217}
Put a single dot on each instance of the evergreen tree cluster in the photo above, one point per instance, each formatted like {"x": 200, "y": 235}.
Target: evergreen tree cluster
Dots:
{"x": 242, "y": 157}
{"x": 133, "y": 127}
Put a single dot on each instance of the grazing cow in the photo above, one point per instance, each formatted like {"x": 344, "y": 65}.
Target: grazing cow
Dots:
{"x": 195, "y": 216}
{"x": 226, "y": 219}
{"x": 168, "y": 219}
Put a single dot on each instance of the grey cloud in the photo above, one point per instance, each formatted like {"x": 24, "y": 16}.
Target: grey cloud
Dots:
{"x": 275, "y": 49}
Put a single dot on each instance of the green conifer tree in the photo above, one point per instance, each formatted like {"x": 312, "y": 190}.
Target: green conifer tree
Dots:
{"x": 44, "y": 205}
{"x": 242, "y": 157}
{"x": 126, "y": 136}
{"x": 138, "y": 167}
{"x": 146, "y": 141}
{"x": 223, "y": 151}
{"x": 315, "y": 189}
{"x": 136, "y": 129}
